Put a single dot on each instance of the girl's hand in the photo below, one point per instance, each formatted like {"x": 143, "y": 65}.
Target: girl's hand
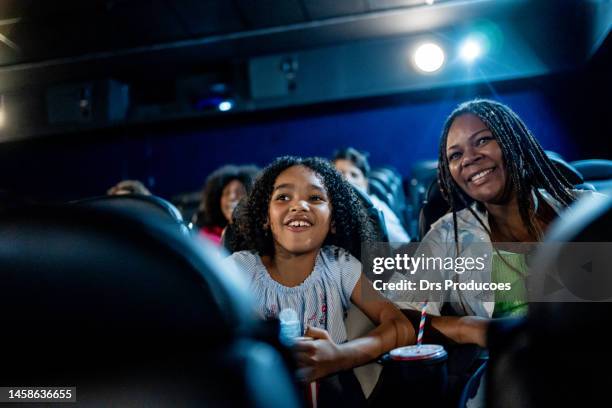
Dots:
{"x": 319, "y": 357}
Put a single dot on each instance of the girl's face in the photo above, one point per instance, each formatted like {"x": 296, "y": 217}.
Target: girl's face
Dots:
{"x": 475, "y": 160}
{"x": 231, "y": 195}
{"x": 299, "y": 214}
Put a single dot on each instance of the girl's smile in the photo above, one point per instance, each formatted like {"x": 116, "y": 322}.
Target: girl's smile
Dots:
{"x": 300, "y": 212}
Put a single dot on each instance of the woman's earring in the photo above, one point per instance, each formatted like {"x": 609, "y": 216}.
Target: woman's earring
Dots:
{"x": 332, "y": 228}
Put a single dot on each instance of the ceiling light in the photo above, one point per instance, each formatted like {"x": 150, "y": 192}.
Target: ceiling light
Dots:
{"x": 226, "y": 105}
{"x": 429, "y": 57}
{"x": 470, "y": 50}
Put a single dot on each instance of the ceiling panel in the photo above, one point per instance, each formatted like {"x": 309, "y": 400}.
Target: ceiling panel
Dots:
{"x": 319, "y": 9}
{"x": 204, "y": 17}
{"x": 268, "y": 13}
{"x": 56, "y": 37}
{"x": 387, "y": 4}
{"x": 66, "y": 28}
{"x": 43, "y": 11}
{"x": 139, "y": 22}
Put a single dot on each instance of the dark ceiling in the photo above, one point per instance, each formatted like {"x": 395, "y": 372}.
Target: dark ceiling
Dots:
{"x": 34, "y": 30}
{"x": 152, "y": 45}
{"x": 50, "y": 41}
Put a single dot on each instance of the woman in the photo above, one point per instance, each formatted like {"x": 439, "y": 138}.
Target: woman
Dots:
{"x": 501, "y": 188}
{"x": 224, "y": 188}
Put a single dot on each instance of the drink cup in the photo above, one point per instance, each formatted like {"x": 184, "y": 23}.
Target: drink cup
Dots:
{"x": 417, "y": 374}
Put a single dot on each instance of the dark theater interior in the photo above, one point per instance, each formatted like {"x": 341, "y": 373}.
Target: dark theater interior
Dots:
{"x": 194, "y": 193}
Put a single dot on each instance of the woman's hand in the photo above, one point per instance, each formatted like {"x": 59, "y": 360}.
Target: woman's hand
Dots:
{"x": 319, "y": 357}
{"x": 473, "y": 329}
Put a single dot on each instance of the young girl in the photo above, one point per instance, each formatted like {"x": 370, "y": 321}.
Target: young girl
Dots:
{"x": 304, "y": 228}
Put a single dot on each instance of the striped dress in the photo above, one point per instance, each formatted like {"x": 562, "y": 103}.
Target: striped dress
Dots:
{"x": 320, "y": 301}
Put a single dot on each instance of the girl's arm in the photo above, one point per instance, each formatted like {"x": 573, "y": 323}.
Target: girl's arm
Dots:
{"x": 322, "y": 356}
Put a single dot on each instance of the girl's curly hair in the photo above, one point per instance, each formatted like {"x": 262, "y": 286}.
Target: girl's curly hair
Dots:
{"x": 349, "y": 218}
{"x": 209, "y": 212}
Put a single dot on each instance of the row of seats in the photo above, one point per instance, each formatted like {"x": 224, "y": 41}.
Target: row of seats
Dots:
{"x": 114, "y": 296}
{"x": 417, "y": 201}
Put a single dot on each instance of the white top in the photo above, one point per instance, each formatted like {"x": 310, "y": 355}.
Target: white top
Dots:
{"x": 439, "y": 241}
{"x": 320, "y": 301}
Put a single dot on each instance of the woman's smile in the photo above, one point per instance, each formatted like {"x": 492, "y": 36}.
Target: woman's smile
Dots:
{"x": 481, "y": 176}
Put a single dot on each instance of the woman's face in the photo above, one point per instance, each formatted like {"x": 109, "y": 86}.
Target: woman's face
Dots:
{"x": 299, "y": 214}
{"x": 475, "y": 160}
{"x": 231, "y": 195}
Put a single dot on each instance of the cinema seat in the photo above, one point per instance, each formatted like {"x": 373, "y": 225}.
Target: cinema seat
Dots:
{"x": 131, "y": 311}
{"x": 137, "y": 206}
{"x": 596, "y": 172}
{"x": 560, "y": 355}
{"x": 434, "y": 207}
{"x": 422, "y": 174}
{"x": 387, "y": 184}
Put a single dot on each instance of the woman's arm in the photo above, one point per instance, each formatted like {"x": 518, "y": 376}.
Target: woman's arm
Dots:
{"x": 442, "y": 329}
{"x": 322, "y": 356}
{"x": 464, "y": 329}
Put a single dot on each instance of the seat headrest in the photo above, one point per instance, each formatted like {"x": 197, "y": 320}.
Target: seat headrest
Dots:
{"x": 424, "y": 170}
{"x": 567, "y": 170}
{"x": 135, "y": 206}
{"x": 594, "y": 169}
{"x": 434, "y": 207}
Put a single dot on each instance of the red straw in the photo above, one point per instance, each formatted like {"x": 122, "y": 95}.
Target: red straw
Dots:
{"x": 422, "y": 324}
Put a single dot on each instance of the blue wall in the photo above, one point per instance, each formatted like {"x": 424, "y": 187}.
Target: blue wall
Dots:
{"x": 172, "y": 162}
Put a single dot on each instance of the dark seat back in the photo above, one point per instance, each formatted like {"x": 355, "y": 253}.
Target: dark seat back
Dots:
{"x": 136, "y": 206}
{"x": 387, "y": 184}
{"x": 421, "y": 175}
{"x": 560, "y": 355}
{"x": 130, "y": 310}
{"x": 596, "y": 172}
{"x": 434, "y": 207}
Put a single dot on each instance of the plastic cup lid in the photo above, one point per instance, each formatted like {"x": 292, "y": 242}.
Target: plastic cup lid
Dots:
{"x": 422, "y": 352}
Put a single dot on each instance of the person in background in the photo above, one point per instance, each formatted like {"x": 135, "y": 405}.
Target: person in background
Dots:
{"x": 128, "y": 187}
{"x": 354, "y": 166}
{"x": 223, "y": 190}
